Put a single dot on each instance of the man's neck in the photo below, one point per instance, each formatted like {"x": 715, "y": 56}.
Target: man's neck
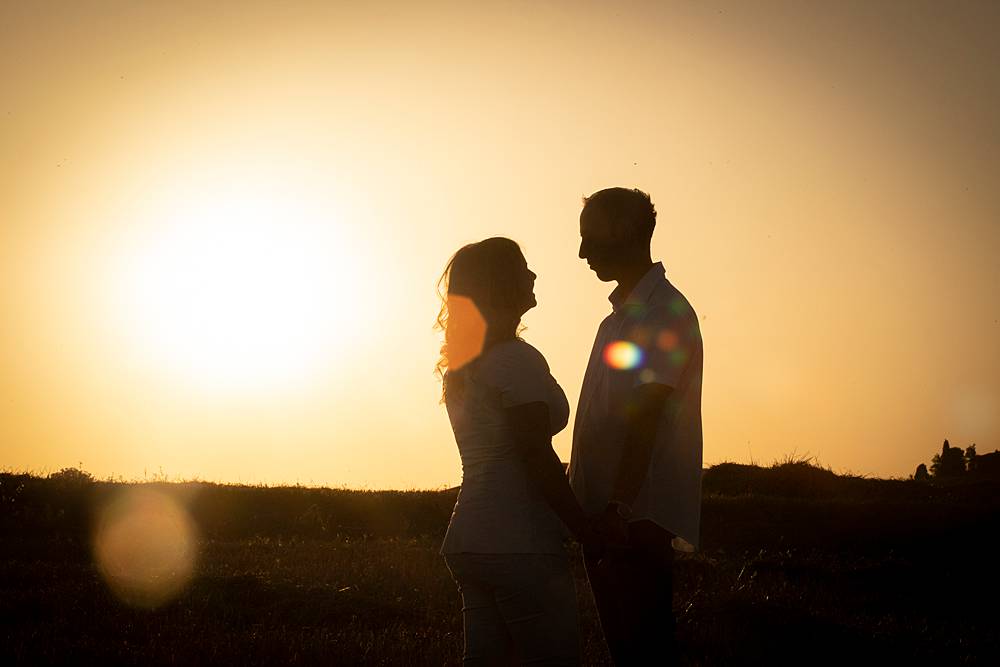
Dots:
{"x": 632, "y": 275}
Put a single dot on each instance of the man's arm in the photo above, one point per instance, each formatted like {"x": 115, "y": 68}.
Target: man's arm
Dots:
{"x": 645, "y": 407}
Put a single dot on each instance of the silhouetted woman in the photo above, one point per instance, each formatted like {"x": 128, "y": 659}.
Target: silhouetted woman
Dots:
{"x": 505, "y": 544}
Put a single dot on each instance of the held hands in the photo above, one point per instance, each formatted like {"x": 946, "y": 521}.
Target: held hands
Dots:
{"x": 612, "y": 528}
{"x": 603, "y": 532}
{"x": 588, "y": 537}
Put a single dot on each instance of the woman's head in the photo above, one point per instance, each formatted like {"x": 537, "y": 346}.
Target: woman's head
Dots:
{"x": 494, "y": 274}
{"x": 485, "y": 289}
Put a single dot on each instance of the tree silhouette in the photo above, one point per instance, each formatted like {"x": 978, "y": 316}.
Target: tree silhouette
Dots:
{"x": 949, "y": 463}
{"x": 921, "y": 474}
{"x": 970, "y": 457}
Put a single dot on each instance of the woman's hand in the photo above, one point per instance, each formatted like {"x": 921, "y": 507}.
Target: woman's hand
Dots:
{"x": 590, "y": 538}
{"x": 611, "y": 528}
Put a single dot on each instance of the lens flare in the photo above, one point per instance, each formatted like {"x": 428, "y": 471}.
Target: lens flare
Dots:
{"x": 466, "y": 332}
{"x": 667, "y": 340}
{"x": 642, "y": 335}
{"x": 622, "y": 355}
{"x": 145, "y": 547}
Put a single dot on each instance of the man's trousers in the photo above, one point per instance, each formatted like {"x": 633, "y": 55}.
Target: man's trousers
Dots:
{"x": 633, "y": 589}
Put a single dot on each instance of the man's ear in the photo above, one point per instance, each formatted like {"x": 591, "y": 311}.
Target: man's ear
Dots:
{"x": 628, "y": 237}
{"x": 621, "y": 232}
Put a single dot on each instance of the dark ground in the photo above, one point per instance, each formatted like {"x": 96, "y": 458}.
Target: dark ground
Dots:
{"x": 798, "y": 566}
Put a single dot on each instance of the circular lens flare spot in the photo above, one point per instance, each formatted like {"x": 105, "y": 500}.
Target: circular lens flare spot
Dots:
{"x": 622, "y": 355}
{"x": 667, "y": 340}
{"x": 145, "y": 547}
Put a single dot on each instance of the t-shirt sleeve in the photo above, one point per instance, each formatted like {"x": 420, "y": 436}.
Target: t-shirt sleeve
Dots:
{"x": 520, "y": 374}
{"x": 667, "y": 338}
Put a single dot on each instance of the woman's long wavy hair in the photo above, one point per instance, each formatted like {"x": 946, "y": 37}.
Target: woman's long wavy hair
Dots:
{"x": 478, "y": 290}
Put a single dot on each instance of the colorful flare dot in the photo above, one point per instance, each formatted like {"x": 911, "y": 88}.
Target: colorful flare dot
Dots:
{"x": 622, "y": 355}
{"x": 667, "y": 340}
{"x": 641, "y": 335}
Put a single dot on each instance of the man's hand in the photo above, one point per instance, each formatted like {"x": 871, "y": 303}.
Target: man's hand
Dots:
{"x": 612, "y": 528}
{"x": 592, "y": 542}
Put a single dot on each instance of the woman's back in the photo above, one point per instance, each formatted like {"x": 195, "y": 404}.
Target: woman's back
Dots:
{"x": 498, "y": 509}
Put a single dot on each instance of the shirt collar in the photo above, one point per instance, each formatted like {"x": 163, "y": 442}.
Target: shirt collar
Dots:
{"x": 642, "y": 291}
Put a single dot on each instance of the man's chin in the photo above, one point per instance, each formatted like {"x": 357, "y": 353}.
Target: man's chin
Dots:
{"x": 602, "y": 275}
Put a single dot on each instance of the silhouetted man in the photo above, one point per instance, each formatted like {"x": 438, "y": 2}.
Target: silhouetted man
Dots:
{"x": 637, "y": 442}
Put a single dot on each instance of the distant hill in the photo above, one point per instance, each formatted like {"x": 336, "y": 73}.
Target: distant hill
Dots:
{"x": 66, "y": 503}
{"x": 802, "y": 479}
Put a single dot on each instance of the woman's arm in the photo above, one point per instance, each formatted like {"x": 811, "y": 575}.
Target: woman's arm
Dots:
{"x": 532, "y": 429}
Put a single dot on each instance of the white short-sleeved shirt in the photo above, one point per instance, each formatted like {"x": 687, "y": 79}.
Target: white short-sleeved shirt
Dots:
{"x": 651, "y": 336}
{"x": 498, "y": 508}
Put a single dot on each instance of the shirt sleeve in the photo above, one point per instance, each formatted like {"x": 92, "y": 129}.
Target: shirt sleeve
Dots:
{"x": 667, "y": 338}
{"x": 521, "y": 375}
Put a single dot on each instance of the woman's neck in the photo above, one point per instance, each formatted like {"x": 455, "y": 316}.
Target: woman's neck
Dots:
{"x": 500, "y": 332}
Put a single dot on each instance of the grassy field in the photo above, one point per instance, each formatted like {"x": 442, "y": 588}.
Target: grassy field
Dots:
{"x": 798, "y": 566}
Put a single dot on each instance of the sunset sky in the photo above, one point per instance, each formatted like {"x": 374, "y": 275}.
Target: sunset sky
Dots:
{"x": 222, "y": 224}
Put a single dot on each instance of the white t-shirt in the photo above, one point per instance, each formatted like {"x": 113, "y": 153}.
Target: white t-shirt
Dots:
{"x": 653, "y": 336}
{"x": 498, "y": 508}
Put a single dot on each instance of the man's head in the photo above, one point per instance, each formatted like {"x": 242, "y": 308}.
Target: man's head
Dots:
{"x": 616, "y": 226}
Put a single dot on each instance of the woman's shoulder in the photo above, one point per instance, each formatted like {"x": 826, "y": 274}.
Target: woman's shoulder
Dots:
{"x": 521, "y": 350}
{"x": 517, "y": 355}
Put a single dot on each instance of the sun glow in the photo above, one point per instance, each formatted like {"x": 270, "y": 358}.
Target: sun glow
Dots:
{"x": 240, "y": 289}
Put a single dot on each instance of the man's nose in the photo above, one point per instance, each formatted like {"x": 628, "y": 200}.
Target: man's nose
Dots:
{"x": 583, "y": 250}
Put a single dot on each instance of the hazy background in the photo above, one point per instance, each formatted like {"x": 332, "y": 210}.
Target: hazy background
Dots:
{"x": 222, "y": 225}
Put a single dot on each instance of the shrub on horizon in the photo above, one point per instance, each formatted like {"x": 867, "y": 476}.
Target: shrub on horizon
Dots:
{"x": 72, "y": 475}
{"x": 949, "y": 463}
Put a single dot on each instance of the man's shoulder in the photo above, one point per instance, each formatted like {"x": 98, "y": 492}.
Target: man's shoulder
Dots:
{"x": 667, "y": 319}
{"x": 668, "y": 302}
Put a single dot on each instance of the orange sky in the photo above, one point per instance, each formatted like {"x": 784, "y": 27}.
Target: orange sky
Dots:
{"x": 222, "y": 227}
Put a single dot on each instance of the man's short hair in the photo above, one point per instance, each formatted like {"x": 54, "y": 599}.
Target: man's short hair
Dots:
{"x": 623, "y": 206}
